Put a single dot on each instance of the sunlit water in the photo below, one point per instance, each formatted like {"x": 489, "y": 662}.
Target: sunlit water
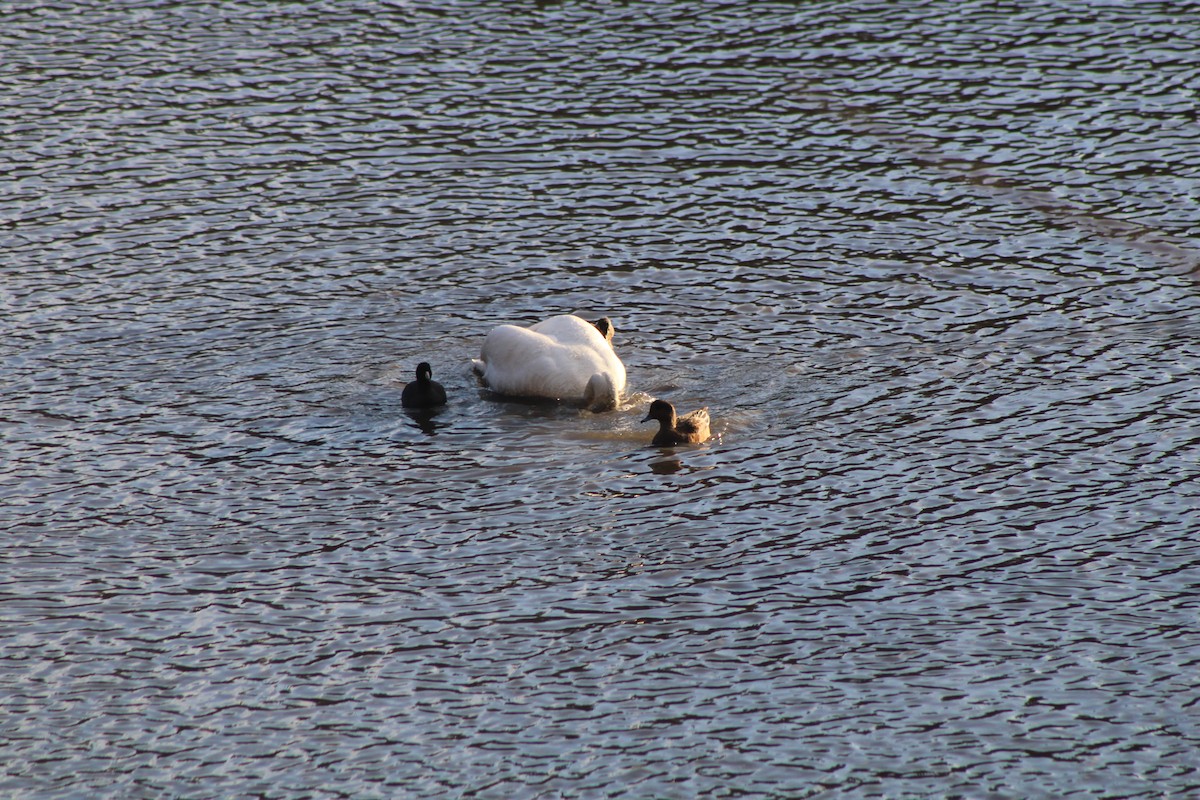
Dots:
{"x": 931, "y": 267}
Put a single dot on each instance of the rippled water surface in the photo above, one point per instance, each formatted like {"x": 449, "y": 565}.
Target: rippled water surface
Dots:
{"x": 933, "y": 267}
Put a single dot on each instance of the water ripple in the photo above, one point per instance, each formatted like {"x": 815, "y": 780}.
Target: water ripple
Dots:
{"x": 932, "y": 270}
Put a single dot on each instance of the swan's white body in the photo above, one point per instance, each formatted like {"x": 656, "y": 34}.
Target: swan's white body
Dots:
{"x": 563, "y": 358}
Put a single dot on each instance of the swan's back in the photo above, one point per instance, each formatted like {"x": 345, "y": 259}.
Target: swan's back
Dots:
{"x": 569, "y": 329}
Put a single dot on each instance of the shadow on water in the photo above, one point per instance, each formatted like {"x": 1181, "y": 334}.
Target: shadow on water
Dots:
{"x": 426, "y": 419}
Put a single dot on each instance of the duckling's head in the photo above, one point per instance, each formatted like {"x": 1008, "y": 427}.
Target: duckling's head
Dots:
{"x": 662, "y": 411}
{"x": 424, "y": 371}
{"x": 606, "y": 328}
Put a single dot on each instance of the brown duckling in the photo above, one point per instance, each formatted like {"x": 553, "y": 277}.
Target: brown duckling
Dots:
{"x": 424, "y": 392}
{"x": 689, "y": 429}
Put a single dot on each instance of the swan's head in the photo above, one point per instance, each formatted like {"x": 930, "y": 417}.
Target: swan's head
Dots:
{"x": 601, "y": 393}
{"x": 662, "y": 411}
{"x": 424, "y": 371}
{"x": 606, "y": 328}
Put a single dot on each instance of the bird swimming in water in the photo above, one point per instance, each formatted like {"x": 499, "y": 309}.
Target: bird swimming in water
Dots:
{"x": 424, "y": 392}
{"x": 563, "y": 358}
{"x": 689, "y": 429}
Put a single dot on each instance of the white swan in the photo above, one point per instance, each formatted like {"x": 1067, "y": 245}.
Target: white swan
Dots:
{"x": 562, "y": 358}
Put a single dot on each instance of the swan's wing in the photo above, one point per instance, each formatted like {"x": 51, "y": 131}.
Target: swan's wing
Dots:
{"x": 505, "y": 350}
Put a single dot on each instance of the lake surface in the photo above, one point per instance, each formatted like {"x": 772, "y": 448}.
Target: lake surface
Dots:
{"x": 933, "y": 268}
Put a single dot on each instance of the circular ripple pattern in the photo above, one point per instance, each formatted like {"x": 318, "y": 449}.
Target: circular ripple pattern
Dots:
{"x": 933, "y": 269}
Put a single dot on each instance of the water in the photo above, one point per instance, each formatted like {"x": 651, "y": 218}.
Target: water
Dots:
{"x": 933, "y": 269}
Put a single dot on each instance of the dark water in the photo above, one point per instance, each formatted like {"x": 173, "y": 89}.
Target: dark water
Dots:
{"x": 932, "y": 267}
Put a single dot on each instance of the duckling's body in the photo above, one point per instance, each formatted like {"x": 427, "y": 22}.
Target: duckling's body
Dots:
{"x": 424, "y": 392}
{"x": 563, "y": 358}
{"x": 691, "y": 428}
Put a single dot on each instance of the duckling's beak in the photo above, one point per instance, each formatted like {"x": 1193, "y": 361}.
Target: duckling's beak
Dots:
{"x": 648, "y": 418}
